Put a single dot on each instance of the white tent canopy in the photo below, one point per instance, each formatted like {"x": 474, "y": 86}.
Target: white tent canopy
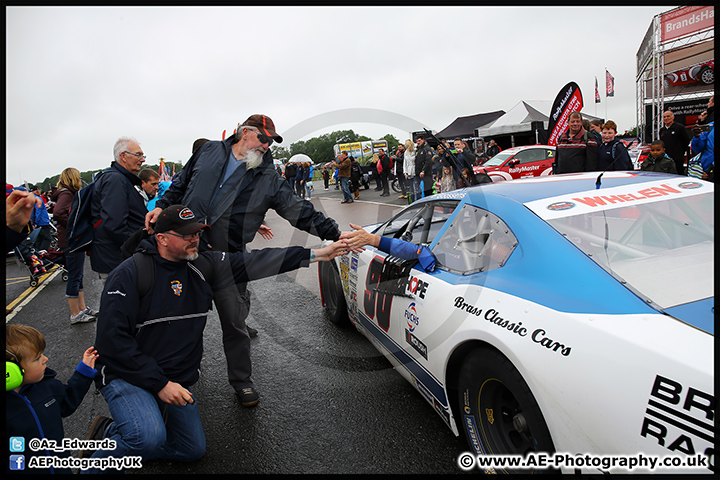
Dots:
{"x": 520, "y": 117}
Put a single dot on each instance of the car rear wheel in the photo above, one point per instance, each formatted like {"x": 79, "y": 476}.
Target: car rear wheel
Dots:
{"x": 332, "y": 292}
{"x": 500, "y": 415}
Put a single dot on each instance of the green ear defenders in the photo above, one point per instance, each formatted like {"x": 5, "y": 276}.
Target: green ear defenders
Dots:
{"x": 13, "y": 374}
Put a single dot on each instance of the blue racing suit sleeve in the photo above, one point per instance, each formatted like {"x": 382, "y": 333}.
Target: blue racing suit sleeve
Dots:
{"x": 408, "y": 251}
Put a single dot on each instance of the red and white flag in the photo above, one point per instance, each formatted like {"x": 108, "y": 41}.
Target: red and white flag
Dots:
{"x": 597, "y": 93}
{"x": 609, "y": 84}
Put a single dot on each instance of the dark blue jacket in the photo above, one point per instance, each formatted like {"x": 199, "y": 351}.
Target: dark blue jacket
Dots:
{"x": 120, "y": 211}
{"x": 258, "y": 191}
{"x": 37, "y": 412}
{"x": 613, "y": 156}
{"x": 162, "y": 340}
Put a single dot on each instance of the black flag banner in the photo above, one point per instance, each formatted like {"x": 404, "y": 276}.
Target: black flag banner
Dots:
{"x": 567, "y": 101}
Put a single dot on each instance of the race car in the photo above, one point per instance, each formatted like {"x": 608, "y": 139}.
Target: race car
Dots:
{"x": 703, "y": 73}
{"x": 566, "y": 314}
{"x": 519, "y": 162}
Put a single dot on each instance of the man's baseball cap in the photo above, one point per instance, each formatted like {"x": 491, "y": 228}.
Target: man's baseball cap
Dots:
{"x": 178, "y": 218}
{"x": 264, "y": 124}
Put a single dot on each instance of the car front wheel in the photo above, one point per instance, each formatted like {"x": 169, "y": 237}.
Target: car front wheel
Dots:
{"x": 332, "y": 292}
{"x": 500, "y": 415}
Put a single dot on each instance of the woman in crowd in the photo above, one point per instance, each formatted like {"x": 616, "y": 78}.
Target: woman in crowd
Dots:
{"x": 67, "y": 186}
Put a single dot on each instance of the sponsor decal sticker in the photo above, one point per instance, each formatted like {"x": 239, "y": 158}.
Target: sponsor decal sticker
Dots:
{"x": 490, "y": 416}
{"x": 415, "y": 343}
{"x": 560, "y": 206}
{"x": 539, "y": 336}
{"x": 680, "y": 418}
{"x": 186, "y": 214}
{"x": 411, "y": 317}
{"x": 176, "y": 287}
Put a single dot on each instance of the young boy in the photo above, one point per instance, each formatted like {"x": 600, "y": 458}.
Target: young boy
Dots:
{"x": 36, "y": 403}
{"x": 658, "y": 161}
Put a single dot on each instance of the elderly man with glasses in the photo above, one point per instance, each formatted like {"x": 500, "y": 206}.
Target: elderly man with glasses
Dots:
{"x": 230, "y": 185}
{"x": 117, "y": 208}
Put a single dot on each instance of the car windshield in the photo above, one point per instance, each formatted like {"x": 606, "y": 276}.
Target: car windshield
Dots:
{"x": 662, "y": 250}
{"x": 498, "y": 159}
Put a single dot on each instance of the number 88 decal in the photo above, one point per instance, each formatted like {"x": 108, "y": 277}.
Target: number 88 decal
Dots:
{"x": 374, "y": 301}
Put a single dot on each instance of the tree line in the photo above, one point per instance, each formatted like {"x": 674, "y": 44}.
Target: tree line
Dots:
{"x": 320, "y": 149}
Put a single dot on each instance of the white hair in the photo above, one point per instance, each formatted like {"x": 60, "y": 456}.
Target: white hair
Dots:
{"x": 121, "y": 146}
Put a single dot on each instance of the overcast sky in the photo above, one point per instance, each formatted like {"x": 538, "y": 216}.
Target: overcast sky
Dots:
{"x": 79, "y": 78}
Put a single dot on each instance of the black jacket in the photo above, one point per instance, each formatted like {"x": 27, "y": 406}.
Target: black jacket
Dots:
{"x": 677, "y": 142}
{"x": 259, "y": 190}
{"x": 423, "y": 160}
{"x": 120, "y": 211}
{"x": 160, "y": 339}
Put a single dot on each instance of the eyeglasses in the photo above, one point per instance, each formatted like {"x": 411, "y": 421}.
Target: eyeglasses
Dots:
{"x": 139, "y": 155}
{"x": 187, "y": 237}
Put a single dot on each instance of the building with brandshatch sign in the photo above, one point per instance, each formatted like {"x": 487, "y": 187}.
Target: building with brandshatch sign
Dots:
{"x": 675, "y": 68}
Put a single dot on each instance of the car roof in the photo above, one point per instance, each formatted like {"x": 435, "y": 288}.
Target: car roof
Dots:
{"x": 525, "y": 147}
{"x": 525, "y": 190}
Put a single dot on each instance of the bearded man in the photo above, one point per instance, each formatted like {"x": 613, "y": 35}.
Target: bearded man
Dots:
{"x": 230, "y": 185}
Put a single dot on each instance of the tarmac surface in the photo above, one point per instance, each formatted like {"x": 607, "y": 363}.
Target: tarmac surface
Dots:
{"x": 329, "y": 403}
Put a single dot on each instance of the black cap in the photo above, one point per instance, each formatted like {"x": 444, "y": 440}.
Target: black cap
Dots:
{"x": 178, "y": 218}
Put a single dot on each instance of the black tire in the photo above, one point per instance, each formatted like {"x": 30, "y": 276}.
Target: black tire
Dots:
{"x": 493, "y": 396}
{"x": 33, "y": 282}
{"x": 332, "y": 292}
{"x": 707, "y": 75}
{"x": 64, "y": 277}
{"x": 396, "y": 186}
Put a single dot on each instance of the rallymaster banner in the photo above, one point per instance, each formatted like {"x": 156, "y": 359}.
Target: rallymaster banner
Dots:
{"x": 567, "y": 101}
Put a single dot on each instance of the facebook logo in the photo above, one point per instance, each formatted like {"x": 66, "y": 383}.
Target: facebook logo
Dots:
{"x": 17, "y": 444}
{"x": 17, "y": 462}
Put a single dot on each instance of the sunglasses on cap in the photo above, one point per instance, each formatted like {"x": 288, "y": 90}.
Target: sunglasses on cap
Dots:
{"x": 261, "y": 136}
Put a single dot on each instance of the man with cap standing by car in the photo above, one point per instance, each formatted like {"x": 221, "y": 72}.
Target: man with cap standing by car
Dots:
{"x": 230, "y": 185}
{"x": 150, "y": 337}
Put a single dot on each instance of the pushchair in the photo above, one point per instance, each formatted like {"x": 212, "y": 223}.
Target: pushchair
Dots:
{"x": 39, "y": 262}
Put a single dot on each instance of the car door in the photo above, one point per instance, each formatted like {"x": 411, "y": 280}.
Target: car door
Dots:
{"x": 531, "y": 162}
{"x": 391, "y": 300}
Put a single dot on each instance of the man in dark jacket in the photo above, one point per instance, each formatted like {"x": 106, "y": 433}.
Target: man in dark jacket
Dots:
{"x": 577, "y": 149}
{"x": 676, "y": 139}
{"x": 230, "y": 185}
{"x": 399, "y": 174}
{"x": 151, "y": 345}
{"x": 424, "y": 164}
{"x": 384, "y": 163}
{"x": 117, "y": 209}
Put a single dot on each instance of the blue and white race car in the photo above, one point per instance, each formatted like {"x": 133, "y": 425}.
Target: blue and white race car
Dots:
{"x": 566, "y": 314}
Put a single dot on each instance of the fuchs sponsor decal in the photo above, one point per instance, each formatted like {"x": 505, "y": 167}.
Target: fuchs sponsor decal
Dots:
{"x": 538, "y": 336}
{"x": 415, "y": 343}
{"x": 411, "y": 317}
{"x": 557, "y": 206}
{"x": 680, "y": 418}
